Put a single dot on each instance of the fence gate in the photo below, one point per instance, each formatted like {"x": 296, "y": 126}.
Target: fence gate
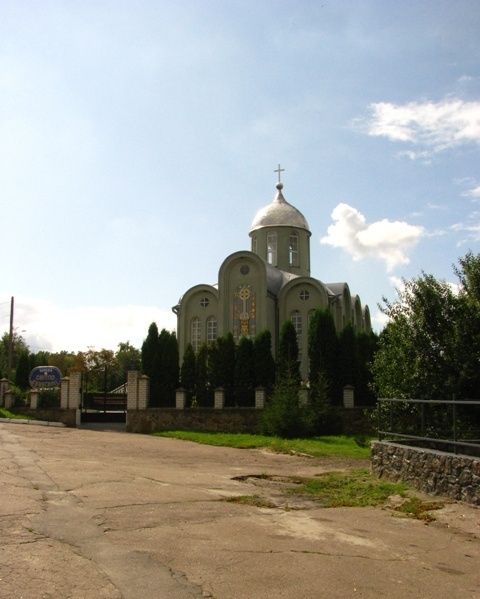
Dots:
{"x": 104, "y": 405}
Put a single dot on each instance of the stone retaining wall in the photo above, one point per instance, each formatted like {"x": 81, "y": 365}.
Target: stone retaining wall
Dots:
{"x": 228, "y": 420}
{"x": 437, "y": 472}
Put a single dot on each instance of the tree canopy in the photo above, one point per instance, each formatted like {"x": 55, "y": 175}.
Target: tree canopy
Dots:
{"x": 430, "y": 349}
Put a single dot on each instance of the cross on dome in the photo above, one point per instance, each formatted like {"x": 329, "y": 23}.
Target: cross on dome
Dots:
{"x": 279, "y": 171}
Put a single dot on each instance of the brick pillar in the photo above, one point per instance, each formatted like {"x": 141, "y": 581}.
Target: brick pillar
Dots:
{"x": 132, "y": 389}
{"x": 180, "y": 399}
{"x": 143, "y": 391}
{"x": 348, "y": 396}
{"x": 34, "y": 397}
{"x": 219, "y": 398}
{"x": 8, "y": 399}
{"x": 75, "y": 390}
{"x": 303, "y": 396}
{"x": 259, "y": 398}
{"x": 64, "y": 386}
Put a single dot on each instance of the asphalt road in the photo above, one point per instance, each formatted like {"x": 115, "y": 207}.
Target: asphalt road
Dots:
{"x": 86, "y": 514}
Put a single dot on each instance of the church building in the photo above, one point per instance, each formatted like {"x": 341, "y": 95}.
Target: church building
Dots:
{"x": 262, "y": 288}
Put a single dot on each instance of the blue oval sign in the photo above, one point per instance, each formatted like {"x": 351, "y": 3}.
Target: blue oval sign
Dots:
{"x": 43, "y": 377}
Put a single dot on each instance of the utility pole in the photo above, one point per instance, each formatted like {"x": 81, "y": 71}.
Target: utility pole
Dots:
{"x": 10, "y": 339}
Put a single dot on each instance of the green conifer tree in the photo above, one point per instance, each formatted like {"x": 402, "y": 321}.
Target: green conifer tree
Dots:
{"x": 288, "y": 366}
{"x": 202, "y": 391}
{"x": 264, "y": 362}
{"x": 323, "y": 352}
{"x": 187, "y": 372}
{"x": 244, "y": 374}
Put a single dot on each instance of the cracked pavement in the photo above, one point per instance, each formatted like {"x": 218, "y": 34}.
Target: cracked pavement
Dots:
{"x": 90, "y": 515}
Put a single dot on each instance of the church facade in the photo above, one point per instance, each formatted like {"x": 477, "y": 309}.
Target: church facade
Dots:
{"x": 262, "y": 288}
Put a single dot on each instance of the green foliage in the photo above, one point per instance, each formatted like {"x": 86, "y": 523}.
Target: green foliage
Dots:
{"x": 323, "y": 352}
{"x": 430, "y": 349}
{"x": 22, "y": 371}
{"x": 336, "y": 446}
{"x": 167, "y": 372}
{"x": 159, "y": 358}
{"x": 221, "y": 365}
{"x": 244, "y": 374}
{"x": 4, "y": 413}
{"x": 350, "y": 489}
{"x": 321, "y": 416}
{"x": 49, "y": 398}
{"x": 149, "y": 352}
{"x": 127, "y": 357}
{"x": 263, "y": 360}
{"x": 288, "y": 366}
{"x": 366, "y": 348}
{"x": 19, "y": 347}
{"x": 347, "y": 357}
{"x": 203, "y": 392}
{"x": 187, "y": 372}
{"x": 283, "y": 415}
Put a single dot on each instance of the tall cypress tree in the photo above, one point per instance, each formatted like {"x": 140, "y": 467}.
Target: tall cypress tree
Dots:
{"x": 168, "y": 375}
{"x": 244, "y": 373}
{"x": 202, "y": 391}
{"x": 150, "y": 362}
{"x": 264, "y": 362}
{"x": 150, "y": 350}
{"x": 187, "y": 372}
{"x": 323, "y": 352}
{"x": 288, "y": 366}
{"x": 347, "y": 358}
{"x": 227, "y": 353}
{"x": 22, "y": 371}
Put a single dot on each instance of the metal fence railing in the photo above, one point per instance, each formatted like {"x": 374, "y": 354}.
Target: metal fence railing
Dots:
{"x": 450, "y": 425}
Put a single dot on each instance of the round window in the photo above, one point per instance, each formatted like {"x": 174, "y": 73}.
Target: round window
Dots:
{"x": 244, "y": 269}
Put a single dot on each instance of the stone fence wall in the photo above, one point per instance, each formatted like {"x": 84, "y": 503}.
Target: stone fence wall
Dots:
{"x": 437, "y": 472}
{"x": 227, "y": 420}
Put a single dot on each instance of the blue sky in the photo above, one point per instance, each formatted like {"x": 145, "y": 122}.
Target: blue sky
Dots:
{"x": 138, "y": 140}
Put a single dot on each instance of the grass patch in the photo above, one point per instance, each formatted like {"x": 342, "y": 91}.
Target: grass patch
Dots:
{"x": 351, "y": 489}
{"x": 414, "y": 507}
{"x": 254, "y": 500}
{"x": 4, "y": 413}
{"x": 331, "y": 446}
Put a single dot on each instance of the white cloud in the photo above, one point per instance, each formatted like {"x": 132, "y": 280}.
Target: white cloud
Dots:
{"x": 397, "y": 283}
{"x": 45, "y": 325}
{"x": 471, "y": 231}
{"x": 472, "y": 193}
{"x": 385, "y": 239}
{"x": 434, "y": 125}
{"x": 379, "y": 320}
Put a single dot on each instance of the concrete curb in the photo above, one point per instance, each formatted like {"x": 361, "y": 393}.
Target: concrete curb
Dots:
{"x": 36, "y": 422}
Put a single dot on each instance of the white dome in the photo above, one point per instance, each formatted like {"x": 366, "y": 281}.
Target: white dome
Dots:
{"x": 279, "y": 214}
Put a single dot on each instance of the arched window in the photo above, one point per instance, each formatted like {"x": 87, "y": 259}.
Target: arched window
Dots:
{"x": 211, "y": 329}
{"x": 254, "y": 244}
{"x": 272, "y": 249}
{"x": 296, "y": 319}
{"x": 293, "y": 249}
{"x": 195, "y": 334}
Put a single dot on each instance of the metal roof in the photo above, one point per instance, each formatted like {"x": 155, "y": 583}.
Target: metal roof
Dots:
{"x": 279, "y": 213}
